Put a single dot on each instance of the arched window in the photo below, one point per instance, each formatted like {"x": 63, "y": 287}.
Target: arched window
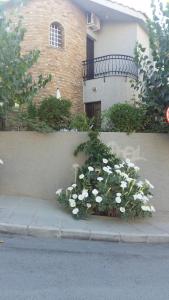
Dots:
{"x": 56, "y": 35}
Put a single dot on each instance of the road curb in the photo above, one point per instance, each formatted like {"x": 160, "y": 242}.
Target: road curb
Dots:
{"x": 39, "y": 231}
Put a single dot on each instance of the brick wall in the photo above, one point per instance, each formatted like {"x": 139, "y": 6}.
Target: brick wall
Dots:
{"x": 65, "y": 65}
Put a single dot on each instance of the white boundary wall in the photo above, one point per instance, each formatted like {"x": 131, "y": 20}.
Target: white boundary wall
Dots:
{"x": 36, "y": 165}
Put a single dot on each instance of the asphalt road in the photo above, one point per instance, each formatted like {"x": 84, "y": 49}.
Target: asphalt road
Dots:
{"x": 49, "y": 269}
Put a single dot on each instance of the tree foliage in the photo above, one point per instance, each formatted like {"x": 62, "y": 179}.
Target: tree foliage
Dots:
{"x": 153, "y": 82}
{"x": 16, "y": 82}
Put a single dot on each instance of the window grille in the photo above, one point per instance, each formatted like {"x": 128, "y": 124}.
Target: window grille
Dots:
{"x": 56, "y": 35}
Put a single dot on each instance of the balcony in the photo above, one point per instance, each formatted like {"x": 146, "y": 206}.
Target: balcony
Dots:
{"x": 110, "y": 65}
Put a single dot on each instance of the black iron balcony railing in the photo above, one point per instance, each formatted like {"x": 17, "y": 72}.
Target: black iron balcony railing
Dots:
{"x": 110, "y": 65}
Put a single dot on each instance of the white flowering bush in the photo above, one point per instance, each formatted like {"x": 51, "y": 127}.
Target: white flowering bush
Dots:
{"x": 105, "y": 186}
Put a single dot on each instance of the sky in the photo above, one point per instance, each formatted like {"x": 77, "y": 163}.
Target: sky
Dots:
{"x": 143, "y": 5}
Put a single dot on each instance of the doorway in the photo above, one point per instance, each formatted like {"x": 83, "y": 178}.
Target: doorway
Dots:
{"x": 93, "y": 110}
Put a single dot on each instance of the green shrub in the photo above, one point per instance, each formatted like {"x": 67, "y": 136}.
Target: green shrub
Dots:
{"x": 32, "y": 110}
{"x": 37, "y": 125}
{"x": 106, "y": 184}
{"x": 124, "y": 117}
{"x": 27, "y": 119}
{"x": 154, "y": 123}
{"x": 95, "y": 150}
{"x": 55, "y": 113}
{"x": 80, "y": 122}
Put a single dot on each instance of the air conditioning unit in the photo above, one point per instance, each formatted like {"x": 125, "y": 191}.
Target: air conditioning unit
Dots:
{"x": 93, "y": 21}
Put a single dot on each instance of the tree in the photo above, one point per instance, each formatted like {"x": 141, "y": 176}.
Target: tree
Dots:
{"x": 153, "y": 82}
{"x": 16, "y": 82}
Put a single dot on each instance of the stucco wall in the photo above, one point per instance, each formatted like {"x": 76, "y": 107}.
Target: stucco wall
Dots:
{"x": 116, "y": 38}
{"x": 113, "y": 38}
{"x": 65, "y": 65}
{"x": 36, "y": 164}
{"x": 112, "y": 90}
{"x": 119, "y": 38}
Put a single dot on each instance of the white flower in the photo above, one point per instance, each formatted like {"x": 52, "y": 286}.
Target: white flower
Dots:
{"x": 70, "y": 188}
{"x": 72, "y": 203}
{"x": 118, "y": 172}
{"x": 129, "y": 179}
{"x": 74, "y": 196}
{"x": 95, "y": 192}
{"x": 149, "y": 184}
{"x": 99, "y": 179}
{"x": 152, "y": 208}
{"x": 118, "y": 194}
{"x": 1, "y": 162}
{"x": 121, "y": 165}
{"x": 117, "y": 167}
{"x": 136, "y": 169}
{"x": 107, "y": 170}
{"x": 99, "y": 199}
{"x": 85, "y": 193}
{"x": 58, "y": 192}
{"x": 140, "y": 184}
{"x": 81, "y": 176}
{"x": 145, "y": 208}
{"x": 123, "y": 185}
{"x": 131, "y": 165}
{"x": 124, "y": 175}
{"x": 118, "y": 200}
{"x": 122, "y": 209}
{"x": 88, "y": 205}
{"x": 81, "y": 197}
{"x": 75, "y": 211}
{"x": 91, "y": 169}
{"x": 128, "y": 161}
{"x": 105, "y": 161}
{"x": 138, "y": 196}
{"x": 74, "y": 185}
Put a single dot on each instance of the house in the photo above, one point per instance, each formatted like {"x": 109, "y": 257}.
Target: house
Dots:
{"x": 87, "y": 46}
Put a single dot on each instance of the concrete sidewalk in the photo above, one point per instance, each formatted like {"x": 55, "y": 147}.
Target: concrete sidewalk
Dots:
{"x": 22, "y": 215}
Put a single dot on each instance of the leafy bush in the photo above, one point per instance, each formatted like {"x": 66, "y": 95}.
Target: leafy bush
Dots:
{"x": 106, "y": 184}
{"x": 153, "y": 84}
{"x": 80, "y": 122}
{"x": 32, "y": 121}
{"x": 27, "y": 119}
{"x": 32, "y": 110}
{"x": 124, "y": 117}
{"x": 153, "y": 122}
{"x": 55, "y": 113}
{"x": 94, "y": 149}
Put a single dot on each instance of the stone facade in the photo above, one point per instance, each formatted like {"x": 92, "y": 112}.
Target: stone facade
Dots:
{"x": 65, "y": 65}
